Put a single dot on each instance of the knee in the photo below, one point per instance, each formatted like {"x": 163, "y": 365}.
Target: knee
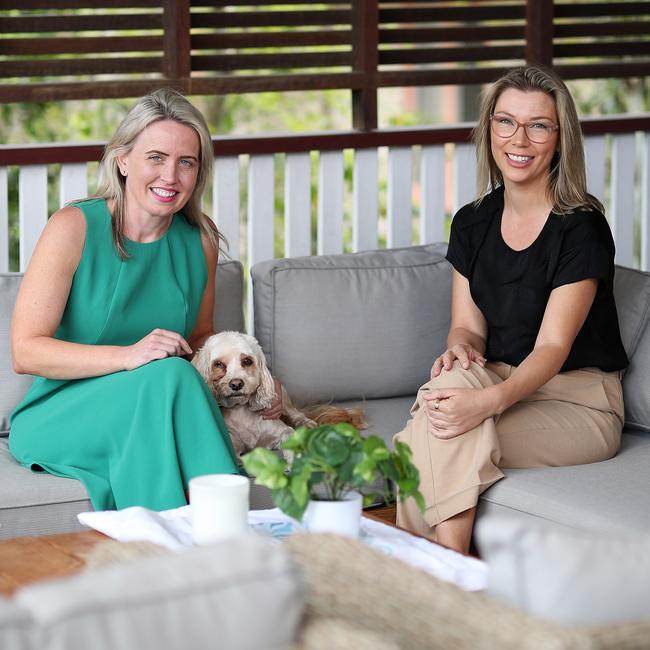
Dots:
{"x": 172, "y": 369}
{"x": 456, "y": 376}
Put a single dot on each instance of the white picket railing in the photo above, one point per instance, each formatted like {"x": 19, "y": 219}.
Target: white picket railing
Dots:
{"x": 404, "y": 184}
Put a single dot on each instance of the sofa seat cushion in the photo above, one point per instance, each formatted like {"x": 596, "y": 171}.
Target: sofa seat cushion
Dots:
{"x": 606, "y": 496}
{"x": 385, "y": 417}
{"x": 366, "y": 325}
{"x": 37, "y": 503}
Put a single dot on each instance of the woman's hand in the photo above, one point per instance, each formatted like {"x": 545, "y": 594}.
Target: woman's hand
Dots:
{"x": 274, "y": 411}
{"x": 454, "y": 411}
{"x": 158, "y": 344}
{"x": 465, "y": 354}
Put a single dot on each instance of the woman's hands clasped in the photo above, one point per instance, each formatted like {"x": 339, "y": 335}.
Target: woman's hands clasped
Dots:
{"x": 454, "y": 411}
{"x": 158, "y": 344}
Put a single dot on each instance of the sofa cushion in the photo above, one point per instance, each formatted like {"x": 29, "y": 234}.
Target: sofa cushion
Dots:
{"x": 385, "y": 417}
{"x": 568, "y": 576}
{"x": 243, "y": 594}
{"x": 632, "y": 292}
{"x": 228, "y": 315}
{"x": 12, "y": 386}
{"x": 606, "y": 496}
{"x": 229, "y": 296}
{"x": 37, "y": 503}
{"x": 365, "y": 325}
{"x": 15, "y": 626}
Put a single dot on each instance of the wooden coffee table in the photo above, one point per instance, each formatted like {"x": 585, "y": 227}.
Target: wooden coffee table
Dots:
{"x": 24, "y": 560}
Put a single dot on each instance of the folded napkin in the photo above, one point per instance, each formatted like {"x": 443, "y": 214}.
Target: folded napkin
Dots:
{"x": 173, "y": 529}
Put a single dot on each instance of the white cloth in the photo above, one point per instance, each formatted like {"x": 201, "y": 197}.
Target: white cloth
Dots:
{"x": 173, "y": 529}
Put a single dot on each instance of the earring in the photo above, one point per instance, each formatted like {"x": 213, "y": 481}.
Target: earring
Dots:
{"x": 123, "y": 172}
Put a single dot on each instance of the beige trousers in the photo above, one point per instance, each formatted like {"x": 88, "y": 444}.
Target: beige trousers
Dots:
{"x": 575, "y": 418}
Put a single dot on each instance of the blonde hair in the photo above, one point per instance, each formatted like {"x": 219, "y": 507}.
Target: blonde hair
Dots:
{"x": 567, "y": 178}
{"x": 162, "y": 104}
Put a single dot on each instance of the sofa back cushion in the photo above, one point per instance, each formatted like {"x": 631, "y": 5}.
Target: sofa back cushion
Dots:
{"x": 632, "y": 292}
{"x": 566, "y": 575}
{"x": 12, "y": 386}
{"x": 228, "y": 315}
{"x": 363, "y": 325}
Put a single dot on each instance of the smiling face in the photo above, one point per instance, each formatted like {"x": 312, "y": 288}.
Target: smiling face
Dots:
{"x": 161, "y": 170}
{"x": 521, "y": 161}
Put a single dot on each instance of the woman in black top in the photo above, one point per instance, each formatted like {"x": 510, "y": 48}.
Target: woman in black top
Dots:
{"x": 531, "y": 374}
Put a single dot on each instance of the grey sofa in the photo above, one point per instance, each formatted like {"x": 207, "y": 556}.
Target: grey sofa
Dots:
{"x": 363, "y": 329}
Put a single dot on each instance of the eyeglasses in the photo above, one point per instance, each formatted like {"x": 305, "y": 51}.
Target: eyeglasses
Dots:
{"x": 539, "y": 131}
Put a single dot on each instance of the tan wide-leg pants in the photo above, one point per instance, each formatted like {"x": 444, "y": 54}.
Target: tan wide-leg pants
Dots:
{"x": 575, "y": 418}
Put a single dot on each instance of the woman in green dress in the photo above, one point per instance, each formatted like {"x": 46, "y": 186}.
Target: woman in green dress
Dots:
{"x": 119, "y": 290}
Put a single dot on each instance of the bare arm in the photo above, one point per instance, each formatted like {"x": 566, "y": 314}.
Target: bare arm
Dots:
{"x": 204, "y": 326}
{"x": 467, "y": 331}
{"x": 39, "y": 308}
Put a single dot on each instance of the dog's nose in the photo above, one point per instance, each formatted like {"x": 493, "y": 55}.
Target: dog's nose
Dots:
{"x": 236, "y": 384}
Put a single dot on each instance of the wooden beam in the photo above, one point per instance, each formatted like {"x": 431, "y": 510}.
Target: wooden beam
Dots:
{"x": 176, "y": 23}
{"x": 539, "y": 31}
{"x": 365, "y": 57}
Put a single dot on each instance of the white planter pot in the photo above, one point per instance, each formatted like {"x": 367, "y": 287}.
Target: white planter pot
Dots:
{"x": 340, "y": 517}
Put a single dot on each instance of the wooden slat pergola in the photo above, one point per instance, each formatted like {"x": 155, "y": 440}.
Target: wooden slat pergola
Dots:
{"x": 71, "y": 49}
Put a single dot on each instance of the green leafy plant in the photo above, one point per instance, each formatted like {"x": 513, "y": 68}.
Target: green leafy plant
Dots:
{"x": 330, "y": 461}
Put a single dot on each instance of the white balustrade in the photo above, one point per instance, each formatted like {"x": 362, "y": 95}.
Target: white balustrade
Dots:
{"x": 365, "y": 203}
{"x": 226, "y": 201}
{"x": 645, "y": 203}
{"x": 330, "y": 203}
{"x": 4, "y": 221}
{"x": 261, "y": 230}
{"x": 432, "y": 194}
{"x": 595, "y": 150}
{"x": 297, "y": 205}
{"x": 464, "y": 175}
{"x": 73, "y": 183}
{"x": 400, "y": 184}
{"x": 618, "y": 173}
{"x": 32, "y": 209}
{"x": 622, "y": 208}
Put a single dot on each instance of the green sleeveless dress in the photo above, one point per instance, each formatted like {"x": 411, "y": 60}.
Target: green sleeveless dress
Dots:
{"x": 133, "y": 437}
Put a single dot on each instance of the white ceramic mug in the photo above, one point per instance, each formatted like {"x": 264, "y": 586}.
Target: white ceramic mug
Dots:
{"x": 219, "y": 506}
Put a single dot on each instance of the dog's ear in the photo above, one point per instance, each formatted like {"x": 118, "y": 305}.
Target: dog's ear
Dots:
{"x": 265, "y": 393}
{"x": 201, "y": 361}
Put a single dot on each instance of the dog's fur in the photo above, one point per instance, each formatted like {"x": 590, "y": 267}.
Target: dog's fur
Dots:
{"x": 234, "y": 367}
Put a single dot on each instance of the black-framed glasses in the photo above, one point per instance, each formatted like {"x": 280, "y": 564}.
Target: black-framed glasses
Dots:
{"x": 538, "y": 131}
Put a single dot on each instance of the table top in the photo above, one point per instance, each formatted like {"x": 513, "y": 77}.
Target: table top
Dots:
{"x": 24, "y": 560}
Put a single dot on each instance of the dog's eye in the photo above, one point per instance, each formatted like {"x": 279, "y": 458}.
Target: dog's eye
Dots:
{"x": 247, "y": 362}
{"x": 218, "y": 364}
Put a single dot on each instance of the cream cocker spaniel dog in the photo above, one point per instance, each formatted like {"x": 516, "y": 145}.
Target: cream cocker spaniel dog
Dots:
{"x": 234, "y": 367}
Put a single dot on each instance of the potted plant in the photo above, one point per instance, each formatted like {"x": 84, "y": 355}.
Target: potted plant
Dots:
{"x": 333, "y": 464}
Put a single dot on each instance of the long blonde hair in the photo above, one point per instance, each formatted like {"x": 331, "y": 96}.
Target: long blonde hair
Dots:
{"x": 567, "y": 178}
{"x": 162, "y": 104}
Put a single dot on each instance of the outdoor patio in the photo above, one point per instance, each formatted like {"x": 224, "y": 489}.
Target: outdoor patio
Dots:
{"x": 569, "y": 542}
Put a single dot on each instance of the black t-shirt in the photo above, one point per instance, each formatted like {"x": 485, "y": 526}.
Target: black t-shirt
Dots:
{"x": 512, "y": 288}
